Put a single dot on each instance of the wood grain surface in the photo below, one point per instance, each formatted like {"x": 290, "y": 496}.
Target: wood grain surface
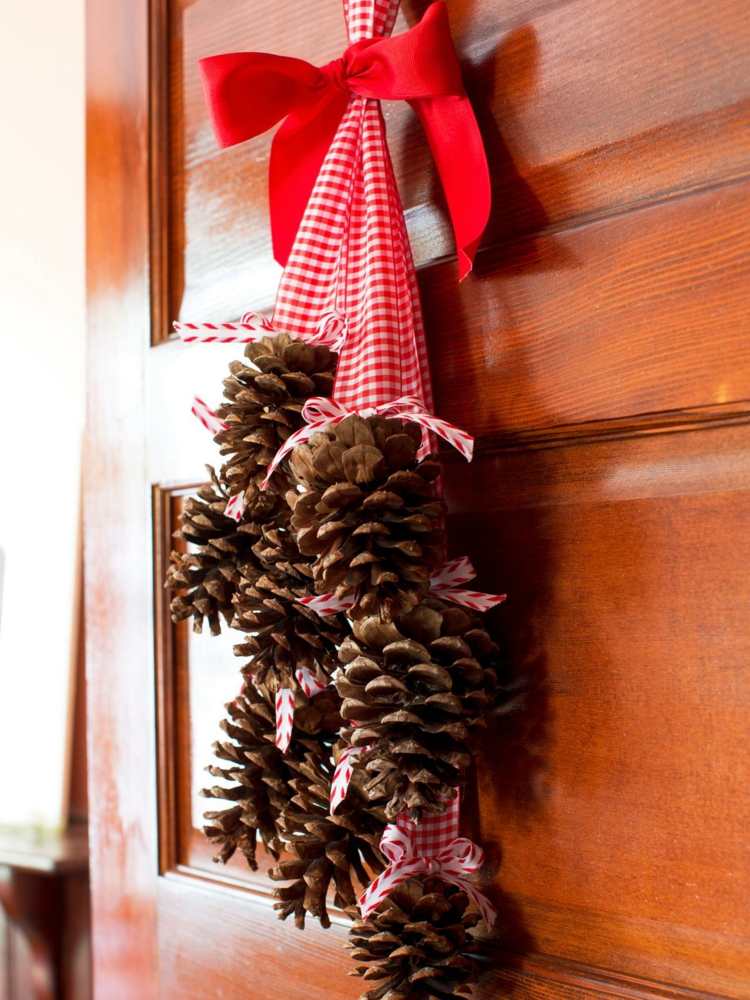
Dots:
{"x": 600, "y": 353}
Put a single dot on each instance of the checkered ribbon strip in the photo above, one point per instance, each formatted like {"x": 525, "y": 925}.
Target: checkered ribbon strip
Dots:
{"x": 254, "y": 327}
{"x": 284, "y": 718}
{"x": 342, "y": 775}
{"x": 351, "y": 252}
{"x": 320, "y": 413}
{"x": 431, "y": 847}
{"x": 442, "y": 584}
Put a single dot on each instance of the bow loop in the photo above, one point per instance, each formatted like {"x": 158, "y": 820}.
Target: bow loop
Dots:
{"x": 249, "y": 92}
{"x": 452, "y": 862}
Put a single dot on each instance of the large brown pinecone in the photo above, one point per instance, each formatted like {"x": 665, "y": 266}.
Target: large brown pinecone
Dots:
{"x": 259, "y": 778}
{"x": 413, "y": 691}
{"x": 284, "y": 635}
{"x": 342, "y": 848}
{"x": 369, "y": 516}
{"x": 220, "y": 553}
{"x": 416, "y": 944}
{"x": 264, "y": 408}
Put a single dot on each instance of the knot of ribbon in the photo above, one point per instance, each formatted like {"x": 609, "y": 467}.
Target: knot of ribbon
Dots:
{"x": 249, "y": 92}
{"x": 320, "y": 412}
{"x": 443, "y": 584}
{"x": 452, "y": 862}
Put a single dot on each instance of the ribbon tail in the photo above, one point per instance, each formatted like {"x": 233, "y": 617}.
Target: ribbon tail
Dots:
{"x": 297, "y": 153}
{"x": 456, "y": 144}
{"x": 485, "y": 907}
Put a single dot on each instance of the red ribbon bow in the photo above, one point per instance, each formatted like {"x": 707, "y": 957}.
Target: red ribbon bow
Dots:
{"x": 248, "y": 92}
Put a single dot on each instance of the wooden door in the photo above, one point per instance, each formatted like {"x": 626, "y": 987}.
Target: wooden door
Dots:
{"x": 601, "y": 355}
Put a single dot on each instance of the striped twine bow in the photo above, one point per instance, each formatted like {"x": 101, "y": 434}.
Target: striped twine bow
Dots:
{"x": 254, "y": 327}
{"x": 235, "y": 507}
{"x": 320, "y": 413}
{"x": 285, "y": 705}
{"x": 442, "y": 584}
{"x": 284, "y": 718}
{"x": 309, "y": 682}
{"x": 452, "y": 862}
{"x": 207, "y": 416}
{"x": 342, "y": 775}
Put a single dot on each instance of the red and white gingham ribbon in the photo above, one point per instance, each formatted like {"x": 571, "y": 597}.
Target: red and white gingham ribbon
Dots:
{"x": 451, "y": 859}
{"x": 320, "y": 413}
{"x": 442, "y": 584}
{"x": 284, "y": 718}
{"x": 342, "y": 775}
{"x": 254, "y": 327}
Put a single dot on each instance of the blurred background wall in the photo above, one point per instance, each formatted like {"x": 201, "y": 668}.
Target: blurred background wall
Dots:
{"x": 42, "y": 329}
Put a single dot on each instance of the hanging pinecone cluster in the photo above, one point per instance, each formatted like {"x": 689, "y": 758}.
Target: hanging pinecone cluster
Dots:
{"x": 416, "y": 945}
{"x": 369, "y": 515}
{"x": 414, "y": 690}
{"x": 408, "y": 679}
{"x": 264, "y": 407}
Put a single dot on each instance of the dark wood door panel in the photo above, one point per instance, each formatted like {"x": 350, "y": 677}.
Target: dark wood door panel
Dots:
{"x": 642, "y": 313}
{"x": 581, "y": 112}
{"x": 619, "y": 821}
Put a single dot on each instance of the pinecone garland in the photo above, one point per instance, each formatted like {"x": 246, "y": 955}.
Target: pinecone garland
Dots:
{"x": 369, "y": 516}
{"x": 342, "y": 848}
{"x": 416, "y": 944}
{"x": 284, "y": 635}
{"x": 413, "y": 691}
{"x": 264, "y": 408}
{"x": 223, "y": 552}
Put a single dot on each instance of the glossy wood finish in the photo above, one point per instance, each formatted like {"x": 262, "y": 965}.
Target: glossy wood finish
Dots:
{"x": 600, "y": 353}
{"x": 587, "y": 108}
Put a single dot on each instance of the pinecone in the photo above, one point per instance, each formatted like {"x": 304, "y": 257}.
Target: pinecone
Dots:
{"x": 223, "y": 552}
{"x": 264, "y": 408}
{"x": 369, "y": 516}
{"x": 417, "y": 943}
{"x": 413, "y": 690}
{"x": 284, "y": 634}
{"x": 261, "y": 775}
{"x": 343, "y": 848}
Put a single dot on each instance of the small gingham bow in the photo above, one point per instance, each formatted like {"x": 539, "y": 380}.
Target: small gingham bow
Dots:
{"x": 320, "y": 413}
{"x": 249, "y": 92}
{"x": 452, "y": 863}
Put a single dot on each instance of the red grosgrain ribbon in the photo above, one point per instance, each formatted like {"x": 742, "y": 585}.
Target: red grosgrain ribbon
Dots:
{"x": 284, "y": 718}
{"x": 249, "y": 92}
{"x": 320, "y": 413}
{"x": 450, "y": 859}
{"x": 442, "y": 584}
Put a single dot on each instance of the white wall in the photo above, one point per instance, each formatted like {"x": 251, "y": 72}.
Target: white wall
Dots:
{"x": 42, "y": 324}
